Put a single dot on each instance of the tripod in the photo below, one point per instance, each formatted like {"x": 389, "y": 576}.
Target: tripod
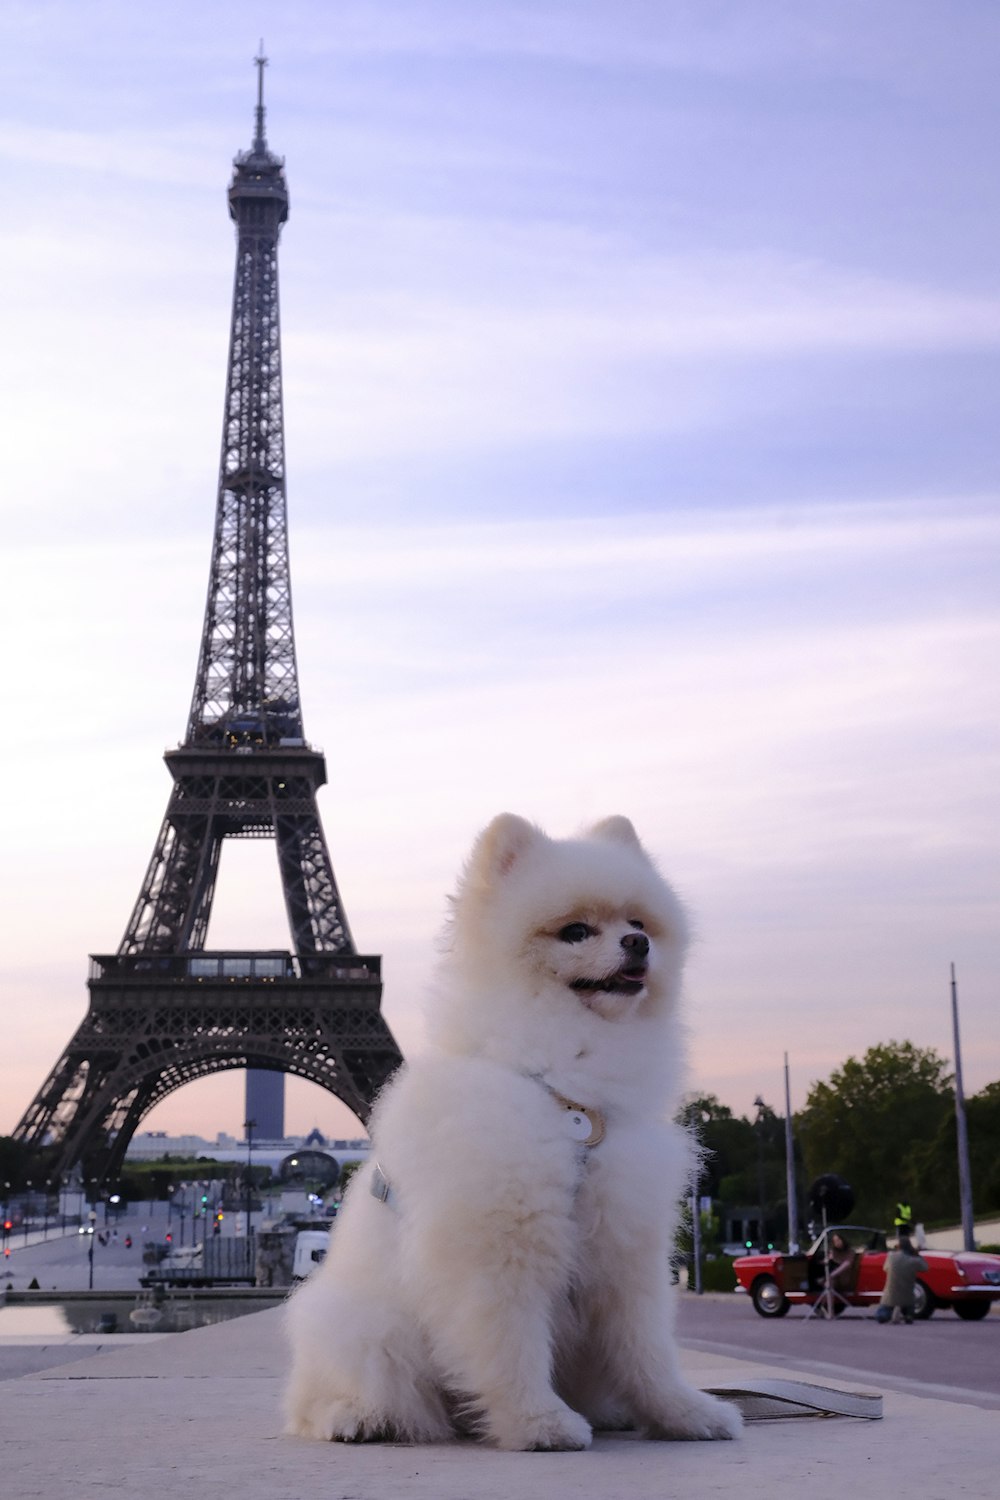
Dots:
{"x": 827, "y": 1302}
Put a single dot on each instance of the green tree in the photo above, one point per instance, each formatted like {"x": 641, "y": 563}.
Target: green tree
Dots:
{"x": 737, "y": 1153}
{"x": 347, "y": 1171}
{"x": 881, "y": 1123}
{"x": 982, "y": 1119}
{"x": 726, "y": 1140}
{"x": 16, "y": 1163}
{"x": 982, "y": 1113}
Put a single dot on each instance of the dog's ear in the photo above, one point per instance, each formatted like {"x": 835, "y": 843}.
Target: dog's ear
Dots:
{"x": 616, "y": 830}
{"x": 501, "y": 844}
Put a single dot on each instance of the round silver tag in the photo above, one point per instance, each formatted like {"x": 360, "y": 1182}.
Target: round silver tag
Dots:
{"x": 579, "y": 1126}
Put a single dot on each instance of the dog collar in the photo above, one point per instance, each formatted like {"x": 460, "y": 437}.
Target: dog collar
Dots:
{"x": 585, "y": 1124}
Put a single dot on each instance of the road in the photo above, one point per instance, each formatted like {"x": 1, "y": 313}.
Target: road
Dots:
{"x": 941, "y": 1356}
{"x": 62, "y": 1262}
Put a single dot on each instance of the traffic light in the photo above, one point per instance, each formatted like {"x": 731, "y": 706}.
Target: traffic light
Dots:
{"x": 170, "y": 1238}
{"x": 204, "y": 1199}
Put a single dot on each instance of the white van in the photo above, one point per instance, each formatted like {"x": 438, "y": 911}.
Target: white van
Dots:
{"x": 310, "y": 1251}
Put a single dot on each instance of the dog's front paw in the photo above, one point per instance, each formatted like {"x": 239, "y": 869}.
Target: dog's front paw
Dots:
{"x": 692, "y": 1416}
{"x": 337, "y": 1421}
{"x": 558, "y": 1429}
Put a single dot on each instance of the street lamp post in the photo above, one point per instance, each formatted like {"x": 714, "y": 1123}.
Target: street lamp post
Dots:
{"x": 249, "y": 1126}
{"x": 760, "y": 1107}
{"x": 793, "y": 1205}
{"x": 91, "y": 1230}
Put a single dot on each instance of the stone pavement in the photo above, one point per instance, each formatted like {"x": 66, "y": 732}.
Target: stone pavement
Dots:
{"x": 197, "y": 1414}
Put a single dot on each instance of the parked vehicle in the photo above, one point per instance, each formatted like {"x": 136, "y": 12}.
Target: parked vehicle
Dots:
{"x": 310, "y": 1251}
{"x": 229, "y": 1261}
{"x": 217, "y": 1261}
{"x": 966, "y": 1280}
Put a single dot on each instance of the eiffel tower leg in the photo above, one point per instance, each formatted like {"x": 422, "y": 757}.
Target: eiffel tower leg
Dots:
{"x": 172, "y": 911}
{"x": 64, "y": 1119}
{"x": 315, "y": 913}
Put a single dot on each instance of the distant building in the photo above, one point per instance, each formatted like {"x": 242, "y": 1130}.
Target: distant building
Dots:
{"x": 150, "y": 1145}
{"x": 265, "y": 1103}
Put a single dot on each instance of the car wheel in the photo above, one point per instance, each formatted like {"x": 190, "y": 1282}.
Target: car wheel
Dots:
{"x": 768, "y": 1298}
{"x": 973, "y": 1308}
{"x": 924, "y": 1301}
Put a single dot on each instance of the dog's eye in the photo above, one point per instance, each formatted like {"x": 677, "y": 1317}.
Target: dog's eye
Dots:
{"x": 575, "y": 932}
{"x": 639, "y": 926}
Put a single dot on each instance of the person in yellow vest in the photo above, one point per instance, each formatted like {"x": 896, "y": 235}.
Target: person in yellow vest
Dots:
{"x": 903, "y": 1222}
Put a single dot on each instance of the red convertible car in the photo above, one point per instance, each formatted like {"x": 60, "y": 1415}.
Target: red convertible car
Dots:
{"x": 967, "y": 1280}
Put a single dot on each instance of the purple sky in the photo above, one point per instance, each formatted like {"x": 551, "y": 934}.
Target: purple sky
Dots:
{"x": 641, "y": 391}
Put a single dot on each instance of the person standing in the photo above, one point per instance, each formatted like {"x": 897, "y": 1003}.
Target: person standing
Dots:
{"x": 899, "y": 1296}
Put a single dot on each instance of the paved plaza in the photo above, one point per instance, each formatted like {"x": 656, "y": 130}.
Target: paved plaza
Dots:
{"x": 198, "y": 1413}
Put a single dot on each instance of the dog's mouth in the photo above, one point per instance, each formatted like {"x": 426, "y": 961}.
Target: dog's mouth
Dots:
{"x": 628, "y": 981}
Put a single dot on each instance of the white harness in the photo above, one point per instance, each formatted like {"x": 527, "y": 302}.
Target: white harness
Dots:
{"x": 582, "y": 1122}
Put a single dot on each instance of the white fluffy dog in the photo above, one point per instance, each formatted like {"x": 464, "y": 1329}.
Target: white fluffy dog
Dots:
{"x": 503, "y": 1267}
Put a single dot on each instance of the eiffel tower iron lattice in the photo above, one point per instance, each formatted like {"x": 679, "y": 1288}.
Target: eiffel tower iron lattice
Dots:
{"x": 164, "y": 1011}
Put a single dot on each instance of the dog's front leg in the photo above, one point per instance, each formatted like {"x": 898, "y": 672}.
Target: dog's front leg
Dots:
{"x": 637, "y": 1316}
{"x": 498, "y": 1275}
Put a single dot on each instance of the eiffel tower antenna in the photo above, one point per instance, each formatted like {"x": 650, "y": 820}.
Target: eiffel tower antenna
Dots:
{"x": 163, "y": 1010}
{"x": 260, "y": 62}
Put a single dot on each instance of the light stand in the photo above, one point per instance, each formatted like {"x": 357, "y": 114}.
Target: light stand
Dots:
{"x": 829, "y": 1193}
{"x": 823, "y": 1306}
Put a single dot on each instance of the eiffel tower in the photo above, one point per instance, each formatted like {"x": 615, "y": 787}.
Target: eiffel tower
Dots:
{"x": 163, "y": 1010}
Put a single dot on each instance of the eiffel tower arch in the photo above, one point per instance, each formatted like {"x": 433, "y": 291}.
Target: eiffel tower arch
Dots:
{"x": 163, "y": 1010}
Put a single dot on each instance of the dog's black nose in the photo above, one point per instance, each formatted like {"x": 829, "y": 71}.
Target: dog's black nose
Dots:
{"x": 636, "y": 943}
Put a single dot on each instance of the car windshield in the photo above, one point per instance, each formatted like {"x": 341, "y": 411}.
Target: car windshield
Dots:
{"x": 857, "y": 1237}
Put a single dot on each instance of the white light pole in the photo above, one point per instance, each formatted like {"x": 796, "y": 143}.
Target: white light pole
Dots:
{"x": 964, "y": 1174}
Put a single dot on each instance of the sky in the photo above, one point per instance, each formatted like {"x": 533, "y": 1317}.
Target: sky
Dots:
{"x": 641, "y": 377}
